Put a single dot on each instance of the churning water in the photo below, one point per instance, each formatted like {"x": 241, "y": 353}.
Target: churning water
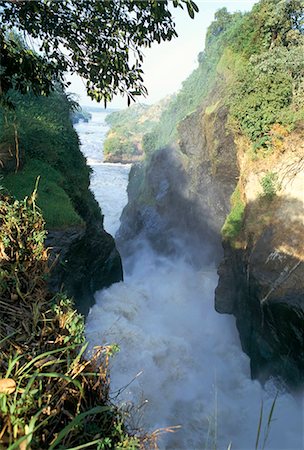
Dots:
{"x": 184, "y": 359}
{"x": 108, "y": 181}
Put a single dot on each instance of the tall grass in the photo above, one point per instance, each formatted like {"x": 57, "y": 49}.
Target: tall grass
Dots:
{"x": 47, "y": 146}
{"x": 51, "y": 395}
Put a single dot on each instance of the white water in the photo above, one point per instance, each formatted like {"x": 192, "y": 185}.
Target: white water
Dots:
{"x": 192, "y": 370}
{"x": 108, "y": 181}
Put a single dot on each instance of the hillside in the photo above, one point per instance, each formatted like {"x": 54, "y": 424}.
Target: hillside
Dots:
{"x": 38, "y": 140}
{"x": 226, "y": 164}
{"x": 124, "y": 141}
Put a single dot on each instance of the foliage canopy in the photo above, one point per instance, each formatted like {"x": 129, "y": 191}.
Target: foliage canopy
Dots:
{"x": 102, "y": 41}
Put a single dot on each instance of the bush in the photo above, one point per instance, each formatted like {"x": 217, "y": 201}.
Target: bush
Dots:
{"x": 270, "y": 185}
{"x": 51, "y": 396}
{"x": 234, "y": 221}
{"x": 119, "y": 146}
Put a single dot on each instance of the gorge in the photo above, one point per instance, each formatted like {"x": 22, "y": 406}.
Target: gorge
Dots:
{"x": 190, "y": 261}
{"x": 180, "y": 362}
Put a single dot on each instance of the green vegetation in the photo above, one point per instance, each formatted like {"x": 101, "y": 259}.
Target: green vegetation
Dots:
{"x": 266, "y": 92}
{"x": 125, "y": 139}
{"x": 268, "y": 87}
{"x": 254, "y": 64}
{"x": 52, "y": 394}
{"x": 234, "y": 221}
{"x": 97, "y": 37}
{"x": 119, "y": 148}
{"x": 270, "y": 185}
{"x": 52, "y": 199}
{"x": 37, "y": 138}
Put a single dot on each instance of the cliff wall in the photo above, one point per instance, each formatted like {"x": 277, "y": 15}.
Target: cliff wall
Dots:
{"x": 261, "y": 275}
{"x": 224, "y": 174}
{"x": 39, "y": 149}
{"x": 185, "y": 192}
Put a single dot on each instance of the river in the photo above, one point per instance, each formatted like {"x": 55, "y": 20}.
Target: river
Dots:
{"x": 180, "y": 362}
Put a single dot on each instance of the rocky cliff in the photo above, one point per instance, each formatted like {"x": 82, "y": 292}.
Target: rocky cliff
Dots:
{"x": 225, "y": 166}
{"x": 261, "y": 276}
{"x": 84, "y": 261}
{"x": 185, "y": 191}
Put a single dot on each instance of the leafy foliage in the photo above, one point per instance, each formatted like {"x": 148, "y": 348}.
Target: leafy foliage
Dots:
{"x": 255, "y": 60}
{"x": 234, "y": 220}
{"x": 57, "y": 397}
{"x": 125, "y": 139}
{"x": 267, "y": 91}
{"x": 270, "y": 185}
{"x": 119, "y": 147}
{"x": 48, "y": 146}
{"x": 103, "y": 43}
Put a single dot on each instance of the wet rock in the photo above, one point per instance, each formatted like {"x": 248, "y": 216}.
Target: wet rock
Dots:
{"x": 86, "y": 260}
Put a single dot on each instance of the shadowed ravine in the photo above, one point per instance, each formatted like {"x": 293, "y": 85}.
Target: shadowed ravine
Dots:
{"x": 192, "y": 370}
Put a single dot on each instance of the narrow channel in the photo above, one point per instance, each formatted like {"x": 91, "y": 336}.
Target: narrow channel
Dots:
{"x": 180, "y": 362}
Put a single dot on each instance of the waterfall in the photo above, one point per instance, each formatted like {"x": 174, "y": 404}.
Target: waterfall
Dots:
{"x": 180, "y": 363}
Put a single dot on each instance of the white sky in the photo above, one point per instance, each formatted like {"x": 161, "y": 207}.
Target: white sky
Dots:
{"x": 167, "y": 64}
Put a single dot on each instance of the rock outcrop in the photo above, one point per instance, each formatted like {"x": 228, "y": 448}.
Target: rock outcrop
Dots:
{"x": 85, "y": 260}
{"x": 262, "y": 275}
{"x": 185, "y": 191}
{"x": 181, "y": 195}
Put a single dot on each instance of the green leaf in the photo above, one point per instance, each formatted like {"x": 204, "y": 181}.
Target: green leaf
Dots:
{"x": 76, "y": 422}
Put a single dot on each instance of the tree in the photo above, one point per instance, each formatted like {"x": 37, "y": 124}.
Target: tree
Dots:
{"x": 222, "y": 19}
{"x": 102, "y": 41}
{"x": 274, "y": 20}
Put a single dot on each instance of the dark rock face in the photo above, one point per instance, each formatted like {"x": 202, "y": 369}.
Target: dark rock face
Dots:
{"x": 181, "y": 198}
{"x": 266, "y": 296}
{"x": 86, "y": 260}
{"x": 183, "y": 194}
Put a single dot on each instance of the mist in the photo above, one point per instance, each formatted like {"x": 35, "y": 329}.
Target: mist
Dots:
{"x": 180, "y": 363}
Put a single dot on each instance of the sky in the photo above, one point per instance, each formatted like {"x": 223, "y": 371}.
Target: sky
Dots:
{"x": 168, "y": 64}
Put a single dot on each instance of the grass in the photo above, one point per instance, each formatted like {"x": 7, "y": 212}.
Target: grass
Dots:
{"x": 56, "y": 205}
{"x": 52, "y": 396}
{"x": 47, "y": 146}
{"x": 270, "y": 185}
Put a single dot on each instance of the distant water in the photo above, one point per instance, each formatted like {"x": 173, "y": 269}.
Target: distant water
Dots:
{"x": 108, "y": 181}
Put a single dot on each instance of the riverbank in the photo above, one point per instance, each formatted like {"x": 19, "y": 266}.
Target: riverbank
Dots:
{"x": 47, "y": 146}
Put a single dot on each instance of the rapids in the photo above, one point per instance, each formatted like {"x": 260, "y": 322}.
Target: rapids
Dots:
{"x": 180, "y": 362}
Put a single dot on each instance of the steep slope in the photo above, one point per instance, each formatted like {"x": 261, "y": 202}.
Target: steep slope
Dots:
{"x": 261, "y": 276}
{"x": 38, "y": 140}
{"x": 226, "y": 164}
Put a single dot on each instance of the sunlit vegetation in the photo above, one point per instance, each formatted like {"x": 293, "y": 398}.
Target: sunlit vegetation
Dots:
{"x": 53, "y": 200}
{"x": 51, "y": 396}
{"x": 128, "y": 127}
{"x": 253, "y": 64}
{"x": 37, "y": 138}
{"x": 255, "y": 60}
{"x": 234, "y": 220}
{"x": 270, "y": 185}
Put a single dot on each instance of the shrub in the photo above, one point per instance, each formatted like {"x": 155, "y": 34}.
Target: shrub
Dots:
{"x": 51, "y": 396}
{"x": 270, "y": 185}
{"x": 234, "y": 221}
